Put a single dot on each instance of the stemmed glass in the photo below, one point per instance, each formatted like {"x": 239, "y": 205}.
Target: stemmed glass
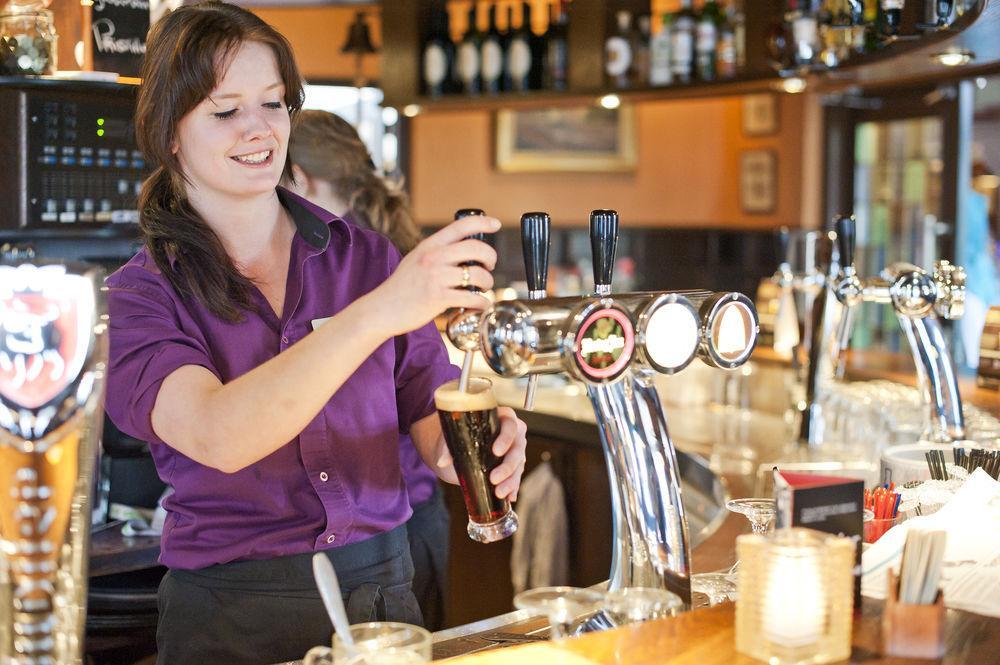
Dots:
{"x": 719, "y": 587}
{"x": 563, "y": 605}
{"x": 637, "y": 604}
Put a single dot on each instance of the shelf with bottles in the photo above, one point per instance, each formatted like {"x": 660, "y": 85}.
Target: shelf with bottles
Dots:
{"x": 500, "y": 53}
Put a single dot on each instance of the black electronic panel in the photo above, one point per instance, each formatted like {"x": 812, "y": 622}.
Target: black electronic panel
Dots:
{"x": 79, "y": 167}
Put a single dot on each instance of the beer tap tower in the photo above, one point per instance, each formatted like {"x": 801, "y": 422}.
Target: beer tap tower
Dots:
{"x": 615, "y": 344}
{"x": 918, "y": 299}
{"x": 53, "y": 351}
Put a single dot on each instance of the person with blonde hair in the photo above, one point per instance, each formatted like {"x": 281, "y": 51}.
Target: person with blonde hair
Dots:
{"x": 331, "y": 167}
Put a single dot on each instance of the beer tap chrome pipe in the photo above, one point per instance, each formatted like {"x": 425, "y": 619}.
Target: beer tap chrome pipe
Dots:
{"x": 53, "y": 355}
{"x": 463, "y": 327}
{"x": 918, "y": 300}
{"x": 535, "y": 233}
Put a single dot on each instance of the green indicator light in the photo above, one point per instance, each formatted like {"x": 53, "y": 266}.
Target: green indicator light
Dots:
{"x": 100, "y": 132}
{"x": 100, "y": 122}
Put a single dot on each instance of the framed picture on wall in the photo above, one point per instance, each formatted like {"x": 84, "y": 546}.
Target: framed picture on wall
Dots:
{"x": 759, "y": 114}
{"x": 572, "y": 139}
{"x": 758, "y": 181}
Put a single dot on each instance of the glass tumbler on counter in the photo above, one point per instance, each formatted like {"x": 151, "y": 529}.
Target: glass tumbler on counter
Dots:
{"x": 470, "y": 425}
{"x": 376, "y": 643}
{"x": 562, "y": 605}
{"x": 27, "y": 40}
{"x": 796, "y": 596}
{"x": 638, "y": 604}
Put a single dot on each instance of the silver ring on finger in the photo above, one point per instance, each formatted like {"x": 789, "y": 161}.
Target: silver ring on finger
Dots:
{"x": 465, "y": 277}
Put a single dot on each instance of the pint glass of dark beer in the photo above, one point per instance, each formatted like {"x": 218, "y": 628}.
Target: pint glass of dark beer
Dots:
{"x": 470, "y": 424}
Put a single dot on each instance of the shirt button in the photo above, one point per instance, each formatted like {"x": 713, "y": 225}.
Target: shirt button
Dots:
{"x": 323, "y": 476}
{"x": 331, "y": 538}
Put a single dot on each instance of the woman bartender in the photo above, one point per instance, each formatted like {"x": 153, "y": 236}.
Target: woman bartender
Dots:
{"x": 273, "y": 355}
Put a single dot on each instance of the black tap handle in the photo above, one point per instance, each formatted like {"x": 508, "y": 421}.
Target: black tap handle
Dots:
{"x": 603, "y": 243}
{"x": 535, "y": 231}
{"x": 846, "y": 229}
{"x": 783, "y": 237}
{"x": 488, "y": 238}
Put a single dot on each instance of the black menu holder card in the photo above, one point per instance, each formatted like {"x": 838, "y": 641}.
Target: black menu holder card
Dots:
{"x": 825, "y": 503}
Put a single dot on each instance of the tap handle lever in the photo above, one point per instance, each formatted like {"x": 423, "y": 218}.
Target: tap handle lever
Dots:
{"x": 846, "y": 228}
{"x": 488, "y": 238}
{"x": 783, "y": 236}
{"x": 535, "y": 233}
{"x": 603, "y": 243}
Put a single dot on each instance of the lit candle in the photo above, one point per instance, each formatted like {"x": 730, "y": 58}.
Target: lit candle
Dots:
{"x": 794, "y": 600}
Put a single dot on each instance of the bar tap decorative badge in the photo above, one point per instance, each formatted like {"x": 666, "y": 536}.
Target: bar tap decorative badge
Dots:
{"x": 52, "y": 361}
{"x": 604, "y": 344}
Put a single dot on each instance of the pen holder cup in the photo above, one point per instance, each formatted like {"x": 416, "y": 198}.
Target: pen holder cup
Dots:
{"x": 912, "y": 631}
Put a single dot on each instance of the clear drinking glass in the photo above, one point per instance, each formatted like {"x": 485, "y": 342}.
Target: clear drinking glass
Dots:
{"x": 376, "y": 643}
{"x": 637, "y": 604}
{"x": 563, "y": 605}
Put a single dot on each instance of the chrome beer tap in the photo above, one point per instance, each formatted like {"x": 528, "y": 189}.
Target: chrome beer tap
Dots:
{"x": 535, "y": 233}
{"x": 463, "y": 327}
{"x": 53, "y": 355}
{"x": 918, "y": 300}
{"x": 615, "y": 344}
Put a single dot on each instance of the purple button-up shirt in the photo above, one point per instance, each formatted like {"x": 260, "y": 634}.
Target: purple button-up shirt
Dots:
{"x": 340, "y": 480}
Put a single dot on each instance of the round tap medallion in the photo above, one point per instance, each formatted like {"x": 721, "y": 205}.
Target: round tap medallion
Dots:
{"x": 605, "y": 344}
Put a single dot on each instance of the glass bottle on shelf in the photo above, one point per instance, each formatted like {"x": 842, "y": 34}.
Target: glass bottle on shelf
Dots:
{"x": 738, "y": 19}
{"x": 803, "y": 18}
{"x": 438, "y": 56}
{"x": 707, "y": 35}
{"x": 618, "y": 52}
{"x": 725, "y": 49}
{"x": 556, "y": 70}
{"x": 468, "y": 56}
{"x": 682, "y": 37}
{"x": 520, "y": 58}
{"x": 640, "y": 51}
{"x": 659, "y": 54}
{"x": 890, "y": 16}
{"x": 491, "y": 55}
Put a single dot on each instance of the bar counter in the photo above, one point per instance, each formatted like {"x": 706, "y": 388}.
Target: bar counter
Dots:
{"x": 736, "y": 445}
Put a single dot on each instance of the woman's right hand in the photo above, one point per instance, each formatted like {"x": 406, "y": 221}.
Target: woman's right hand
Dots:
{"x": 429, "y": 279}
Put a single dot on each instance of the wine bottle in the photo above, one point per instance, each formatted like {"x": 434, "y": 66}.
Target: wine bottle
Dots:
{"x": 520, "y": 58}
{"x": 438, "y": 56}
{"x": 556, "y": 71}
{"x": 618, "y": 52}
{"x": 491, "y": 55}
{"x": 468, "y": 56}
{"x": 659, "y": 54}
{"x": 707, "y": 37}
{"x": 725, "y": 48}
{"x": 682, "y": 36}
{"x": 640, "y": 51}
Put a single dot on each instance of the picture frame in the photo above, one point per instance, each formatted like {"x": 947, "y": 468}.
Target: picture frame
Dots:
{"x": 759, "y": 114}
{"x": 758, "y": 181}
{"x": 574, "y": 139}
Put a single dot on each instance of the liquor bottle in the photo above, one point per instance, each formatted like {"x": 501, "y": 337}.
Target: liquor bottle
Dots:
{"x": 659, "y": 54}
{"x": 438, "y": 57}
{"x": 738, "y": 19}
{"x": 725, "y": 48}
{"x": 539, "y": 49}
{"x": 890, "y": 16}
{"x": 640, "y": 51}
{"x": 618, "y": 52}
{"x": 804, "y": 22}
{"x": 491, "y": 55}
{"x": 520, "y": 59}
{"x": 682, "y": 36}
{"x": 556, "y": 70}
{"x": 468, "y": 56}
{"x": 506, "y": 38}
{"x": 707, "y": 35}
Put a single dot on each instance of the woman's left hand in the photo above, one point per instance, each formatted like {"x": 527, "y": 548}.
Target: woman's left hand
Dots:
{"x": 510, "y": 444}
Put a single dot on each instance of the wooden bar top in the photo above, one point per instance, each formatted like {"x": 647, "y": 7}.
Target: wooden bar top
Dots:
{"x": 707, "y": 637}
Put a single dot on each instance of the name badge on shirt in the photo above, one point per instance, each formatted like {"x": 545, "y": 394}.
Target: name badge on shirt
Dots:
{"x": 316, "y": 323}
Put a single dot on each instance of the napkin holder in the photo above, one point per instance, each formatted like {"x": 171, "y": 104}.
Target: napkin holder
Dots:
{"x": 912, "y": 631}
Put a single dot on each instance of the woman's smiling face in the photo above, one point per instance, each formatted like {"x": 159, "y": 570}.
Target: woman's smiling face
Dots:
{"x": 234, "y": 142}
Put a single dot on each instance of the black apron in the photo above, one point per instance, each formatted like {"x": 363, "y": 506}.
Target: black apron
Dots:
{"x": 428, "y": 531}
{"x": 263, "y": 612}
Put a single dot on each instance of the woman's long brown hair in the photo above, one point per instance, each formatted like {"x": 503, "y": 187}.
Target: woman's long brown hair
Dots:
{"x": 186, "y": 55}
{"x": 327, "y": 147}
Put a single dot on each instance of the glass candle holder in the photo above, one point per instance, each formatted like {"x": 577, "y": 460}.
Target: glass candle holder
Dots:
{"x": 795, "y": 596}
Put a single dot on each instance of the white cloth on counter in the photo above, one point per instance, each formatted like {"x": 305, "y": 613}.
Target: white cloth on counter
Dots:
{"x": 971, "y": 571}
{"x": 540, "y": 553}
{"x": 140, "y": 521}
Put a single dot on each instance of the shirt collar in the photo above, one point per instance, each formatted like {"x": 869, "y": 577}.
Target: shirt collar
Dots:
{"x": 311, "y": 222}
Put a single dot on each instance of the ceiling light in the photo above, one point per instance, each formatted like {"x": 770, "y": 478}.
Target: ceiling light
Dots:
{"x": 610, "y": 101}
{"x": 954, "y": 57}
{"x": 411, "y": 110}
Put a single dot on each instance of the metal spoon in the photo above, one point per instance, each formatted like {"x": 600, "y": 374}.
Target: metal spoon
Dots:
{"x": 329, "y": 591}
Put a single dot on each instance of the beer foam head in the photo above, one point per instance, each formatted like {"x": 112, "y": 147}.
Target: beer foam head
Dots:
{"x": 478, "y": 398}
